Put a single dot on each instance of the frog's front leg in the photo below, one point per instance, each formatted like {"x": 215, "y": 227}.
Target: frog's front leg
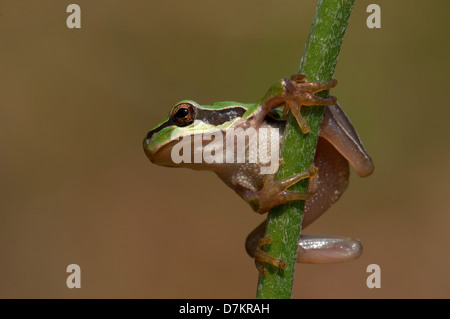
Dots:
{"x": 295, "y": 93}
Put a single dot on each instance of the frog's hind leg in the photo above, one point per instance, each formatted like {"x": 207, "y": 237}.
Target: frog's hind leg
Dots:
{"x": 312, "y": 249}
{"x": 338, "y": 145}
{"x": 330, "y": 182}
{"x": 320, "y": 249}
{"x": 338, "y": 130}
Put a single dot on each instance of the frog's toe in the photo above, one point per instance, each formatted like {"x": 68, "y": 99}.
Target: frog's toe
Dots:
{"x": 294, "y": 107}
{"x": 262, "y": 257}
{"x": 299, "y": 78}
{"x": 298, "y": 81}
{"x": 309, "y": 99}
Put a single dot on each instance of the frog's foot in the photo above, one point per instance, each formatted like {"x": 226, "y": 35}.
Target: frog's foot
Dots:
{"x": 274, "y": 192}
{"x": 312, "y": 249}
{"x": 298, "y": 93}
{"x": 261, "y": 256}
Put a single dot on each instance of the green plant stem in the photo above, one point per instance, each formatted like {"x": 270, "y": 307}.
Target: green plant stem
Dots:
{"x": 284, "y": 222}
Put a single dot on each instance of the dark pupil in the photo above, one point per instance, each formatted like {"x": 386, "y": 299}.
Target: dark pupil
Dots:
{"x": 182, "y": 113}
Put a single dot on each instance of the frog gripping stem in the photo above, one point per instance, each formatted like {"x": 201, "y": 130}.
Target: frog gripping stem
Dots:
{"x": 318, "y": 63}
{"x": 275, "y": 192}
{"x": 298, "y": 93}
{"x": 261, "y": 256}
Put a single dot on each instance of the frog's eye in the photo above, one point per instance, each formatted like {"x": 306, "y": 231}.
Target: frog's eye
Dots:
{"x": 183, "y": 114}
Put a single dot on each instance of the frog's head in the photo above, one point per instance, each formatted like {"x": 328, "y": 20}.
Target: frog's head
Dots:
{"x": 159, "y": 141}
{"x": 186, "y": 121}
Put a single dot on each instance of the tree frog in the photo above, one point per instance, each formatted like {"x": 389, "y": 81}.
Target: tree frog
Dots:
{"x": 338, "y": 145}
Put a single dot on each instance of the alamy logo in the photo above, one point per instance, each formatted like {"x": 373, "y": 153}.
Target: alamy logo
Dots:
{"x": 235, "y": 146}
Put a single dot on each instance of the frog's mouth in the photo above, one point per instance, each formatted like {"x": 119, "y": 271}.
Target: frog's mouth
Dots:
{"x": 159, "y": 155}
{"x": 150, "y": 149}
{"x": 153, "y": 143}
{"x": 166, "y": 155}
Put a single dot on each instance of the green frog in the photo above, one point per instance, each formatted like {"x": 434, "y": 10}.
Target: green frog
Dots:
{"x": 197, "y": 136}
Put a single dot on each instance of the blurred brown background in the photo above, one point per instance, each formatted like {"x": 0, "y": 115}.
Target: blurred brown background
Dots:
{"x": 76, "y": 186}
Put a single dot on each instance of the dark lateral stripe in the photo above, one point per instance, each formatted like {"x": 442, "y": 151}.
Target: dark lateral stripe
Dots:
{"x": 213, "y": 117}
{"x": 167, "y": 123}
{"x": 216, "y": 117}
{"x": 219, "y": 117}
